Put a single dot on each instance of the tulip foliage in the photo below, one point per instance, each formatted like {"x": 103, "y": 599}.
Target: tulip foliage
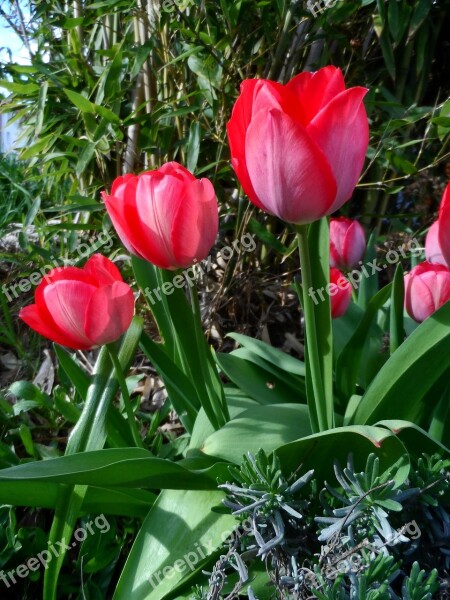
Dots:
{"x": 298, "y": 151}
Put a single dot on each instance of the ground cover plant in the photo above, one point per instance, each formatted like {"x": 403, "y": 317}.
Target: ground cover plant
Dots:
{"x": 225, "y": 313}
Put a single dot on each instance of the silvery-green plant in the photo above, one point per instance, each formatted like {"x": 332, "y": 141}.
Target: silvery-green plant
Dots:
{"x": 365, "y": 498}
{"x": 267, "y": 499}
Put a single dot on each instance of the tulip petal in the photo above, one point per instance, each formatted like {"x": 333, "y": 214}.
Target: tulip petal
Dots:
{"x": 120, "y": 183}
{"x": 109, "y": 313}
{"x": 338, "y": 231}
{"x": 288, "y": 171}
{"x": 102, "y": 270}
{"x": 158, "y": 198}
{"x": 421, "y": 302}
{"x": 347, "y": 243}
{"x": 354, "y": 244}
{"x": 256, "y": 95}
{"x": 444, "y": 225}
{"x": 68, "y": 301}
{"x": 315, "y": 90}
{"x": 341, "y": 295}
{"x": 121, "y": 207}
{"x": 433, "y": 250}
{"x": 236, "y": 130}
{"x": 177, "y": 170}
{"x": 58, "y": 274}
{"x": 33, "y": 317}
{"x": 129, "y": 226}
{"x": 196, "y": 223}
{"x": 62, "y": 274}
{"x": 341, "y": 130}
{"x": 427, "y": 288}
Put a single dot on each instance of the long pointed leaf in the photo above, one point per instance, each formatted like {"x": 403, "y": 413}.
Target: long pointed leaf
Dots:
{"x": 399, "y": 389}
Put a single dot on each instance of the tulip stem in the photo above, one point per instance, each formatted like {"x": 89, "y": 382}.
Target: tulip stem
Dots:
{"x": 317, "y": 403}
{"x": 125, "y": 395}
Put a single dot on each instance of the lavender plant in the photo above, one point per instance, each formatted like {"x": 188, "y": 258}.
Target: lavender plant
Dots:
{"x": 365, "y": 548}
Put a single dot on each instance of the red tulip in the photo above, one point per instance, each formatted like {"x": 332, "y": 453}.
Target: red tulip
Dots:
{"x": 82, "y": 308}
{"x": 165, "y": 216}
{"x": 340, "y": 293}
{"x": 427, "y": 288}
{"x": 298, "y": 149}
{"x": 347, "y": 243}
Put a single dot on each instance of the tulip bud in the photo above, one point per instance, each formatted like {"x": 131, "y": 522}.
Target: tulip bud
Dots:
{"x": 82, "y": 308}
{"x": 427, "y": 288}
{"x": 340, "y": 293}
{"x": 347, "y": 243}
{"x": 166, "y": 216}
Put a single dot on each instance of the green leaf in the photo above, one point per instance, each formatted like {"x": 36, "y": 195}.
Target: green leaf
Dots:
{"x": 398, "y": 391}
{"x": 73, "y": 371}
{"x": 207, "y": 68}
{"x": 416, "y": 440}
{"x": 266, "y": 236}
{"x": 349, "y": 360}
{"x": 24, "y": 406}
{"x": 273, "y": 355}
{"x": 40, "y": 146}
{"x": 41, "y": 108}
{"x": 337, "y": 443}
{"x": 444, "y": 114}
{"x": 397, "y": 329}
{"x": 267, "y": 427}
{"x": 237, "y": 402}
{"x": 319, "y": 242}
{"x": 420, "y": 13}
{"x": 259, "y": 379}
{"x": 369, "y": 285}
{"x": 65, "y": 406}
{"x": 26, "y": 390}
{"x": 179, "y": 388}
{"x": 147, "y": 279}
{"x": 398, "y": 19}
{"x": 110, "y": 83}
{"x": 25, "y": 436}
{"x": 393, "y": 20}
{"x": 403, "y": 165}
{"x": 175, "y": 540}
{"x": 142, "y": 53}
{"x": 122, "y": 467}
{"x": 25, "y": 89}
{"x": 193, "y": 146}
{"x": 440, "y": 423}
{"x": 108, "y": 115}
{"x": 85, "y": 157}
{"x": 296, "y": 383}
{"x": 117, "y": 501}
{"x": 80, "y": 101}
{"x": 388, "y": 53}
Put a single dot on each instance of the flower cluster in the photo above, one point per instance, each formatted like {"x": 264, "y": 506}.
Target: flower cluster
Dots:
{"x": 297, "y": 149}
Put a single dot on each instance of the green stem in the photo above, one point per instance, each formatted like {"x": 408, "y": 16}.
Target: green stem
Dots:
{"x": 125, "y": 395}
{"x": 317, "y": 404}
